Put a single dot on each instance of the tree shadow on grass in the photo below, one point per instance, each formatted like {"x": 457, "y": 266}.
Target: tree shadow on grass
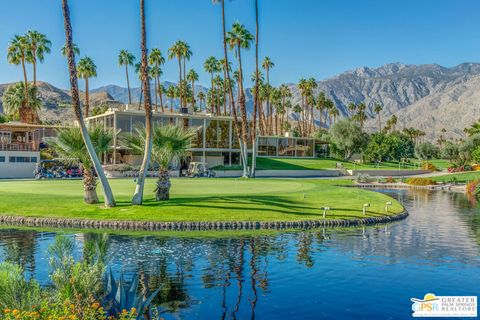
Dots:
{"x": 257, "y": 203}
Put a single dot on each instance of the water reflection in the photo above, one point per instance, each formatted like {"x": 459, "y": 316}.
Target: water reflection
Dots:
{"x": 295, "y": 275}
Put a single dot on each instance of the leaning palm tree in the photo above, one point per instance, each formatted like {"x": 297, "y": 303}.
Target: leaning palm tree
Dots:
{"x": 142, "y": 174}
{"x": 107, "y": 191}
{"x": 14, "y": 103}
{"x": 155, "y": 73}
{"x": 39, "y": 45}
{"x": 18, "y": 52}
{"x": 126, "y": 59}
{"x": 70, "y": 148}
{"x": 86, "y": 69}
{"x": 156, "y": 60}
{"x": 240, "y": 38}
{"x": 192, "y": 76}
{"x": 170, "y": 144}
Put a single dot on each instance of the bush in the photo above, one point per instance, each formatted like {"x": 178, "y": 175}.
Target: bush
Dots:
{"x": 15, "y": 291}
{"x": 427, "y": 151}
{"x": 429, "y": 166}
{"x": 363, "y": 178}
{"x": 473, "y": 188}
{"x": 420, "y": 181}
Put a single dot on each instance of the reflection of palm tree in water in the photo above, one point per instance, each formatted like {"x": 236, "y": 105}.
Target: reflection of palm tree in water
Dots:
{"x": 239, "y": 271}
{"x": 253, "y": 273}
{"x": 304, "y": 249}
{"x": 20, "y": 247}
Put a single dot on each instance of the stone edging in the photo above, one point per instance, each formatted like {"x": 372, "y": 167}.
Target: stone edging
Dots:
{"x": 191, "y": 226}
{"x": 447, "y": 187}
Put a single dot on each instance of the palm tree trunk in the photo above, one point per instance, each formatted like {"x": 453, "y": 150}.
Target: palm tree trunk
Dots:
{"x": 230, "y": 93}
{"x": 34, "y": 62}
{"x": 142, "y": 174}
{"x": 180, "y": 80}
{"x": 27, "y": 103}
{"x": 162, "y": 191}
{"x": 155, "y": 92}
{"x": 87, "y": 98}
{"x": 255, "y": 101}
{"x": 89, "y": 186}
{"x": 128, "y": 85}
{"x": 379, "y": 123}
{"x": 107, "y": 191}
{"x": 141, "y": 96}
{"x": 193, "y": 95}
{"x": 160, "y": 93}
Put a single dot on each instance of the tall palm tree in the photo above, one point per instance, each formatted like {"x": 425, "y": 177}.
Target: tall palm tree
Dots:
{"x": 170, "y": 144}
{"x": 201, "y": 98}
{"x": 86, "y": 69}
{"x": 192, "y": 76}
{"x": 18, "y": 51}
{"x": 361, "y": 116}
{"x": 255, "y": 101}
{"x": 176, "y": 51}
{"x": 126, "y": 59}
{"x": 240, "y": 38}
{"x": 267, "y": 64}
{"x": 211, "y": 66}
{"x": 14, "y": 103}
{"x": 312, "y": 84}
{"x": 377, "y": 108}
{"x": 70, "y": 148}
{"x": 186, "y": 55}
{"x": 155, "y": 73}
{"x": 161, "y": 91}
{"x": 142, "y": 174}
{"x": 107, "y": 191}
{"x": 172, "y": 94}
{"x": 75, "y": 49}
{"x": 230, "y": 92}
{"x": 156, "y": 60}
{"x": 39, "y": 45}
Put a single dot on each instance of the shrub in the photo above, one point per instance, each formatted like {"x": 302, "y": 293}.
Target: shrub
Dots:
{"x": 420, "y": 181}
{"x": 363, "y": 178}
{"x": 15, "y": 291}
{"x": 390, "y": 180}
{"x": 426, "y": 151}
{"x": 473, "y": 188}
{"x": 429, "y": 166}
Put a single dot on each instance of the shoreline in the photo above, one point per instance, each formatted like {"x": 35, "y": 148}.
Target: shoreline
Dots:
{"x": 193, "y": 226}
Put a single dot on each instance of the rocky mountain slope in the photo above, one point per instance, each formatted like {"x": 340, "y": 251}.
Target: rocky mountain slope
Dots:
{"x": 429, "y": 97}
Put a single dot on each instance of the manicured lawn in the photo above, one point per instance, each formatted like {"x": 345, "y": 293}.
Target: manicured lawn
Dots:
{"x": 461, "y": 177}
{"x": 319, "y": 164}
{"x": 197, "y": 200}
{"x": 439, "y": 163}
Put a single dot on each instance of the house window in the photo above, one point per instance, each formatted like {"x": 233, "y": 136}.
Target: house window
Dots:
{"x": 23, "y": 159}
{"x": 2, "y": 159}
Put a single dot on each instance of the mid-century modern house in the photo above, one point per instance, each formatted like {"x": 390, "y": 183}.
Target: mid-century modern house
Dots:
{"x": 20, "y": 145}
{"x": 215, "y": 143}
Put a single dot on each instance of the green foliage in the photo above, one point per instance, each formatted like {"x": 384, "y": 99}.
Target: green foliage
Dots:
{"x": 388, "y": 147}
{"x": 74, "y": 281}
{"x": 98, "y": 110}
{"x": 347, "y": 138}
{"x": 69, "y": 145}
{"x": 426, "y": 151}
{"x": 14, "y": 101}
{"x": 450, "y": 151}
{"x": 15, "y": 291}
{"x": 476, "y": 155}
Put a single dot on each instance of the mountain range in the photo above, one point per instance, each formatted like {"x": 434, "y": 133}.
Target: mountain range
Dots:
{"x": 429, "y": 97}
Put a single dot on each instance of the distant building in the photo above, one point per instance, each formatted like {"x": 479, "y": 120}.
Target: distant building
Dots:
{"x": 20, "y": 145}
{"x": 215, "y": 143}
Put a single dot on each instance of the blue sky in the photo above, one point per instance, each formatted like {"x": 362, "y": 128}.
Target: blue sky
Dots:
{"x": 305, "y": 38}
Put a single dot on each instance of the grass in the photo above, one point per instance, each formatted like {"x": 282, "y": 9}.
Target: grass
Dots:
{"x": 462, "y": 177}
{"x": 319, "y": 164}
{"x": 197, "y": 200}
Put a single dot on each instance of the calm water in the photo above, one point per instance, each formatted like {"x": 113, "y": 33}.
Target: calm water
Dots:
{"x": 358, "y": 273}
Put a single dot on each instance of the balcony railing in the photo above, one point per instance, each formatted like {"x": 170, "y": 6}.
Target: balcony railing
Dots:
{"x": 19, "y": 146}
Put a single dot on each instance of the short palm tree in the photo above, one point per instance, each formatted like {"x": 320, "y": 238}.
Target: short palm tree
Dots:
{"x": 171, "y": 94}
{"x": 126, "y": 59}
{"x": 177, "y": 50}
{"x": 170, "y": 144}
{"x": 161, "y": 91}
{"x": 39, "y": 45}
{"x": 18, "y": 53}
{"x": 14, "y": 103}
{"x": 155, "y": 73}
{"x": 201, "y": 98}
{"x": 86, "y": 69}
{"x": 211, "y": 66}
{"x": 70, "y": 148}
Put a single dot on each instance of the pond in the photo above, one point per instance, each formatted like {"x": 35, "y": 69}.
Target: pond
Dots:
{"x": 361, "y": 273}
